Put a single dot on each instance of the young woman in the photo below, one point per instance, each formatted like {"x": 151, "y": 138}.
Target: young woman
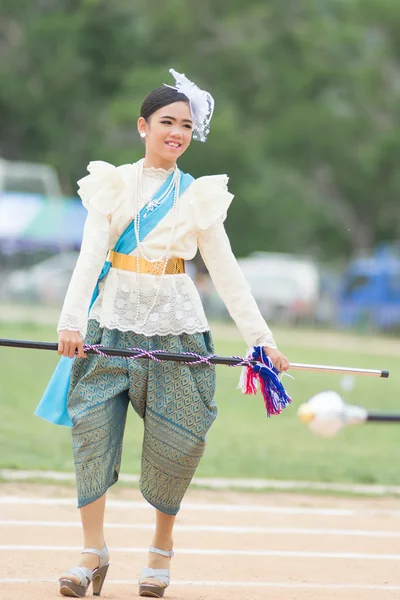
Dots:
{"x": 147, "y": 301}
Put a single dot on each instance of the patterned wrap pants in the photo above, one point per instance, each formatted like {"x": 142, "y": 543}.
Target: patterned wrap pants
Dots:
{"x": 175, "y": 401}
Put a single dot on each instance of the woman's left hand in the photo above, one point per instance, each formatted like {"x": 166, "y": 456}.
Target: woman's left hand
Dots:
{"x": 279, "y": 360}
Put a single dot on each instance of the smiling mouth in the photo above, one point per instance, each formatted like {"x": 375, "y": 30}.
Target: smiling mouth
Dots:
{"x": 174, "y": 145}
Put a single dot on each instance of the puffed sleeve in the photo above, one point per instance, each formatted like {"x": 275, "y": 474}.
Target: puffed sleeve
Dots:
{"x": 102, "y": 188}
{"x": 229, "y": 281}
{"x": 101, "y": 193}
{"x": 210, "y": 199}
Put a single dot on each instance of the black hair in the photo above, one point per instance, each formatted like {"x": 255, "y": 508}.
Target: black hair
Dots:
{"x": 160, "y": 97}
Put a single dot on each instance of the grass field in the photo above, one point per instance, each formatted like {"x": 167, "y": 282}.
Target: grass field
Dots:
{"x": 242, "y": 442}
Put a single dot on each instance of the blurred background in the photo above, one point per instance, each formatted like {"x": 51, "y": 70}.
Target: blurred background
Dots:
{"x": 307, "y": 126}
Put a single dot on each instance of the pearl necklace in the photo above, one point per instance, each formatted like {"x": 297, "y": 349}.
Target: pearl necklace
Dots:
{"x": 140, "y": 248}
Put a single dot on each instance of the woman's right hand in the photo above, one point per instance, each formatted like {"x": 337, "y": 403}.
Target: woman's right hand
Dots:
{"x": 69, "y": 342}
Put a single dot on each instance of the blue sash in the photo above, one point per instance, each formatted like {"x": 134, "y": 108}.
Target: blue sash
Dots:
{"x": 53, "y": 405}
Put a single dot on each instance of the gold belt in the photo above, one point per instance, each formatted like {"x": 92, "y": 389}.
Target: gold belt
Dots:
{"x": 175, "y": 266}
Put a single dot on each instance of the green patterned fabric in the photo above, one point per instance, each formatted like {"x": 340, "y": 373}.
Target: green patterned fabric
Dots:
{"x": 175, "y": 401}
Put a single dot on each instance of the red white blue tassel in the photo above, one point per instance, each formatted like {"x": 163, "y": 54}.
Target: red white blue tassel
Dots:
{"x": 266, "y": 376}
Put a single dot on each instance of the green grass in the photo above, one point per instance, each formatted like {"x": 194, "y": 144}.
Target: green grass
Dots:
{"x": 242, "y": 442}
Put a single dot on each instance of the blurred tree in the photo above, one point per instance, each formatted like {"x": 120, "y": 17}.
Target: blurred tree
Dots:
{"x": 307, "y": 104}
{"x": 63, "y": 62}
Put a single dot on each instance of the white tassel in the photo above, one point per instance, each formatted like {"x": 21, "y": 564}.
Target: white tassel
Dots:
{"x": 243, "y": 374}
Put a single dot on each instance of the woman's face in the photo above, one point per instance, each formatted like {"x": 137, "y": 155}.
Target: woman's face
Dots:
{"x": 168, "y": 132}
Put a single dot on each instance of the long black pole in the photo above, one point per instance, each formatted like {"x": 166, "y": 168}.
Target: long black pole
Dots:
{"x": 383, "y": 418}
{"x": 171, "y": 356}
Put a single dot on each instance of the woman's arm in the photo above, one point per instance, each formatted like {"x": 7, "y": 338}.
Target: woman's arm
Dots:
{"x": 234, "y": 290}
{"x": 102, "y": 192}
{"x": 74, "y": 315}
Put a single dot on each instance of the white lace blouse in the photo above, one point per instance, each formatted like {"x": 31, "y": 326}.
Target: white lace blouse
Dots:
{"x": 107, "y": 193}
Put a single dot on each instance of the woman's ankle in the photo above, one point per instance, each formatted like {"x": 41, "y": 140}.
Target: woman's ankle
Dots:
{"x": 96, "y": 542}
{"x": 163, "y": 542}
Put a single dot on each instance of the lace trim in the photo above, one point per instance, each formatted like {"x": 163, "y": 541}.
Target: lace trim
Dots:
{"x": 149, "y": 332}
{"x": 157, "y": 173}
{"x": 178, "y": 309}
{"x": 69, "y": 323}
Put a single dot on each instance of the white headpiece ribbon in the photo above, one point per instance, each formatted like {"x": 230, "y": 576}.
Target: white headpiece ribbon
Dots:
{"x": 201, "y": 104}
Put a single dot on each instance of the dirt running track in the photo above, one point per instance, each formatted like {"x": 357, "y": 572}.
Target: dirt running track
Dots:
{"x": 229, "y": 546}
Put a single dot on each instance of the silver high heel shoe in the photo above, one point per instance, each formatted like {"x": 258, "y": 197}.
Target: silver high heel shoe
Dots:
{"x": 163, "y": 575}
{"x": 86, "y": 576}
